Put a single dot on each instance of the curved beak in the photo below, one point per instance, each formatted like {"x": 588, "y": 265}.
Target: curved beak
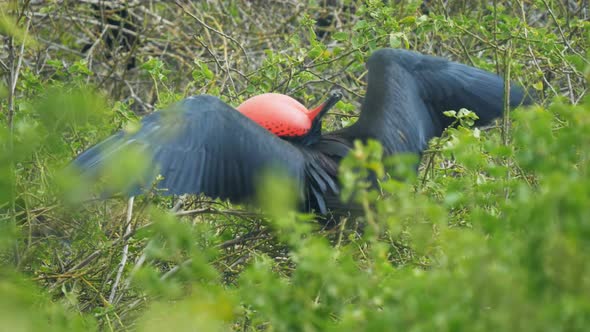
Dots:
{"x": 320, "y": 111}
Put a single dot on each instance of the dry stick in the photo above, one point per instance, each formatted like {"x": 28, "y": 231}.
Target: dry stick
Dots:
{"x": 535, "y": 61}
{"x": 4, "y": 66}
{"x": 10, "y": 117}
{"x": 81, "y": 264}
{"x": 143, "y": 257}
{"x": 156, "y": 16}
{"x": 91, "y": 49}
{"x": 86, "y": 21}
{"x": 344, "y": 114}
{"x": 496, "y": 36}
{"x": 225, "y": 68}
{"x": 506, "y": 116}
{"x": 239, "y": 240}
{"x": 563, "y": 37}
{"x": 176, "y": 210}
{"x": 328, "y": 79}
{"x": 59, "y": 46}
{"x": 181, "y": 200}
{"x": 136, "y": 97}
{"x": 235, "y": 91}
{"x": 14, "y": 75}
{"x": 125, "y": 249}
{"x": 429, "y": 165}
{"x": 221, "y": 33}
{"x": 138, "y": 264}
{"x": 97, "y": 2}
{"x": 581, "y": 95}
{"x": 237, "y": 213}
{"x": 225, "y": 56}
{"x": 570, "y": 88}
{"x": 240, "y": 260}
{"x": 175, "y": 269}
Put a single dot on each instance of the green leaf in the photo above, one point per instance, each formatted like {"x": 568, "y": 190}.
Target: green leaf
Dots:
{"x": 340, "y": 36}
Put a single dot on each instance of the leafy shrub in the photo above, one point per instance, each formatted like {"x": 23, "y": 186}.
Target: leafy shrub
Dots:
{"x": 491, "y": 234}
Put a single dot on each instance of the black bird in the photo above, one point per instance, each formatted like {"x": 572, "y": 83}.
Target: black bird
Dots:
{"x": 205, "y": 146}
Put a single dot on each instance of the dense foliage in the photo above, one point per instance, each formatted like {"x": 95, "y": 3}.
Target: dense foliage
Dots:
{"x": 493, "y": 234}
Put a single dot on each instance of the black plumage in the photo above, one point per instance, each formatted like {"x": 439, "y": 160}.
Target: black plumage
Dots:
{"x": 202, "y": 145}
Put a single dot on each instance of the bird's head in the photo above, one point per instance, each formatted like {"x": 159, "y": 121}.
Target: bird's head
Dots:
{"x": 284, "y": 116}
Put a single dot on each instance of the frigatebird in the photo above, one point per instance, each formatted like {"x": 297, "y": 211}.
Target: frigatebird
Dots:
{"x": 205, "y": 146}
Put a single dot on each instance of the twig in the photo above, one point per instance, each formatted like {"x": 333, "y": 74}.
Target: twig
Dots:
{"x": 136, "y": 97}
{"x": 242, "y": 239}
{"x": 84, "y": 262}
{"x": 95, "y": 254}
{"x": 4, "y": 66}
{"x": 221, "y": 33}
{"x": 506, "y": 116}
{"x": 214, "y": 211}
{"x": 175, "y": 269}
{"x": 570, "y": 89}
{"x": 15, "y": 73}
{"x": 343, "y": 114}
{"x": 535, "y": 61}
{"x": 250, "y": 236}
{"x": 125, "y": 250}
{"x": 562, "y": 34}
{"x": 179, "y": 204}
{"x": 96, "y": 42}
{"x": 93, "y": 22}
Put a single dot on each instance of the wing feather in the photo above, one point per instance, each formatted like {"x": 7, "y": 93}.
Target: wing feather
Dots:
{"x": 408, "y": 93}
{"x": 202, "y": 145}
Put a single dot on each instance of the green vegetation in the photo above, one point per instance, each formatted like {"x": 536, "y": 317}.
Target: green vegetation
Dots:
{"x": 493, "y": 234}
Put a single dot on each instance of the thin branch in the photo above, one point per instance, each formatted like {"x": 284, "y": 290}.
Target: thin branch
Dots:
{"x": 15, "y": 73}
{"x": 239, "y": 240}
{"x": 96, "y": 42}
{"x": 562, "y": 34}
{"x": 506, "y": 115}
{"x": 125, "y": 250}
{"x": 221, "y": 33}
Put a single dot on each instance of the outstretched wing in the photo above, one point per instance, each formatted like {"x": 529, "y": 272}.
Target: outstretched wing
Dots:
{"x": 408, "y": 92}
{"x": 446, "y": 85}
{"x": 202, "y": 145}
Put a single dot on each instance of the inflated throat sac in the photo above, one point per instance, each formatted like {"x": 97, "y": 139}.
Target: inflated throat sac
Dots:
{"x": 280, "y": 114}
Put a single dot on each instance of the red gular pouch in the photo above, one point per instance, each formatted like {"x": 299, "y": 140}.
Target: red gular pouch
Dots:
{"x": 282, "y": 115}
